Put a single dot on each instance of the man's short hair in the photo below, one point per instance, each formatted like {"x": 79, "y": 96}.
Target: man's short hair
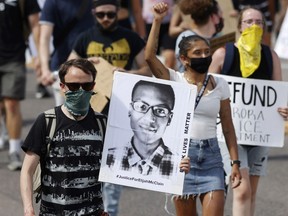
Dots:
{"x": 165, "y": 89}
{"x": 97, "y": 3}
{"x": 85, "y": 65}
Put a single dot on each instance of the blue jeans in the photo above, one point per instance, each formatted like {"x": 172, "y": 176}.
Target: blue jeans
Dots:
{"x": 111, "y": 197}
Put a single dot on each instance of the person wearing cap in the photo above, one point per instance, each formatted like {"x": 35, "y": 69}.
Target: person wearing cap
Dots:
{"x": 107, "y": 39}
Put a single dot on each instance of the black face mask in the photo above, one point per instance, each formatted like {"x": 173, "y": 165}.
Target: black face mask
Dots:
{"x": 200, "y": 65}
{"x": 219, "y": 26}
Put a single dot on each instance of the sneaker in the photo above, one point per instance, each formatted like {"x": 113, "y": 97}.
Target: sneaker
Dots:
{"x": 15, "y": 162}
{"x": 42, "y": 92}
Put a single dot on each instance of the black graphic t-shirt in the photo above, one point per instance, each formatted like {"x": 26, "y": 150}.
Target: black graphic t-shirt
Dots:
{"x": 70, "y": 172}
{"x": 119, "y": 47}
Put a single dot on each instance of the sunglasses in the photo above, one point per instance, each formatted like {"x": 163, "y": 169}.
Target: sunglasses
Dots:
{"x": 101, "y": 15}
{"x": 88, "y": 86}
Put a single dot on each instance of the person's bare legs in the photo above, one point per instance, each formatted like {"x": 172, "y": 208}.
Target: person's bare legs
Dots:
{"x": 242, "y": 195}
{"x": 213, "y": 203}
{"x": 13, "y": 118}
{"x": 185, "y": 206}
{"x": 254, "y": 180}
{"x": 14, "y": 126}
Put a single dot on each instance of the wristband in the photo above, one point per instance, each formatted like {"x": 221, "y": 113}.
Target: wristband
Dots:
{"x": 238, "y": 162}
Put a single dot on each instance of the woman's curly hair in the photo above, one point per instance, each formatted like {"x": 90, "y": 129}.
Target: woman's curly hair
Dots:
{"x": 200, "y": 10}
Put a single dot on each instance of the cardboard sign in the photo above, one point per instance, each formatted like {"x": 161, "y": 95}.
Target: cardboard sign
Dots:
{"x": 103, "y": 87}
{"x": 220, "y": 41}
{"x": 254, "y": 105}
{"x": 140, "y": 120}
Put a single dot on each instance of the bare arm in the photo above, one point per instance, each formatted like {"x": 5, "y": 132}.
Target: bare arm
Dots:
{"x": 33, "y": 20}
{"x": 230, "y": 139}
{"x": 26, "y": 178}
{"x": 277, "y": 75}
{"x": 217, "y": 61}
{"x": 45, "y": 37}
{"x": 277, "y": 72}
{"x": 156, "y": 66}
{"x": 175, "y": 27}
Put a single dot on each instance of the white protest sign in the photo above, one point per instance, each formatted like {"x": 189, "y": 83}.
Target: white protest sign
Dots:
{"x": 148, "y": 117}
{"x": 254, "y": 106}
{"x": 281, "y": 45}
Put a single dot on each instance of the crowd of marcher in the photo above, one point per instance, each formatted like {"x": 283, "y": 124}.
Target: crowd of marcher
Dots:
{"x": 166, "y": 39}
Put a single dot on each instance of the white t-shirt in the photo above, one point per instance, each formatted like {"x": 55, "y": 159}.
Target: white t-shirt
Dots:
{"x": 205, "y": 115}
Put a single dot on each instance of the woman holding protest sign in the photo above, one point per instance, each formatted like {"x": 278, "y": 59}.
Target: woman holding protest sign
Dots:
{"x": 249, "y": 59}
{"x": 206, "y": 176}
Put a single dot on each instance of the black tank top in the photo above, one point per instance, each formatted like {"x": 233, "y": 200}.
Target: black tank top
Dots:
{"x": 260, "y": 73}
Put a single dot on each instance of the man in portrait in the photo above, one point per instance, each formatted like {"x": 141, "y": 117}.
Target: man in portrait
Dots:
{"x": 150, "y": 112}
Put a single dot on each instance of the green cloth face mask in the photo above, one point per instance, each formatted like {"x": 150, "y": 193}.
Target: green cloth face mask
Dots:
{"x": 78, "y": 102}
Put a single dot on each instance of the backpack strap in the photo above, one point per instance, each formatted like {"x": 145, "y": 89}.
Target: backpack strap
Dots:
{"x": 268, "y": 58}
{"x": 229, "y": 56}
{"x": 50, "y": 118}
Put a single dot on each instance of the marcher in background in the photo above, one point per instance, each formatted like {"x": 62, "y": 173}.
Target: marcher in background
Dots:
{"x": 179, "y": 22}
{"x": 206, "y": 177}
{"x": 71, "y": 166}
{"x": 62, "y": 20}
{"x": 208, "y": 22}
{"x": 12, "y": 67}
{"x": 41, "y": 90}
{"x": 117, "y": 45}
{"x": 263, "y": 6}
{"x": 248, "y": 48}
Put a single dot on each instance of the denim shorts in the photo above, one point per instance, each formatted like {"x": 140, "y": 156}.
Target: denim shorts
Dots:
{"x": 206, "y": 171}
{"x": 254, "y": 158}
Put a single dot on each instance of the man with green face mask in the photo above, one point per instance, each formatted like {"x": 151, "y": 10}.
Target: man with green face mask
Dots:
{"x": 71, "y": 166}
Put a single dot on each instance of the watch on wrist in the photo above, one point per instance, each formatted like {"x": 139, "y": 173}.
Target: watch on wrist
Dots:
{"x": 238, "y": 162}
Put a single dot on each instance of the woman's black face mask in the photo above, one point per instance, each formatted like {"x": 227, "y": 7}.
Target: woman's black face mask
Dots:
{"x": 201, "y": 65}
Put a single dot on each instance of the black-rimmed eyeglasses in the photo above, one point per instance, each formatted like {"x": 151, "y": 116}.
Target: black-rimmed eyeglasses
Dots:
{"x": 157, "y": 110}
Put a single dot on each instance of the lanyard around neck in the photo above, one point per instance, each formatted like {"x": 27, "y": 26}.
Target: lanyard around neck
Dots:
{"x": 201, "y": 92}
